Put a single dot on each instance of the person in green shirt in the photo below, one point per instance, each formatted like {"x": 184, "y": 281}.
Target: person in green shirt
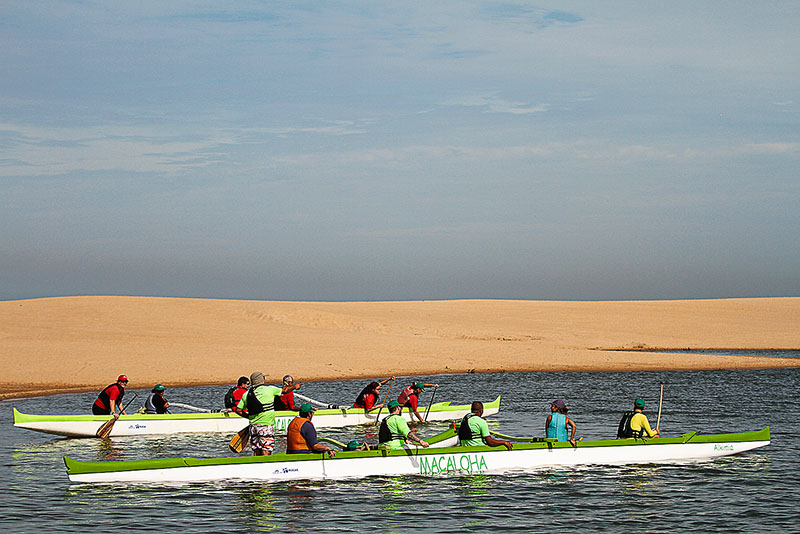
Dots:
{"x": 474, "y": 432}
{"x": 394, "y": 432}
{"x": 258, "y": 405}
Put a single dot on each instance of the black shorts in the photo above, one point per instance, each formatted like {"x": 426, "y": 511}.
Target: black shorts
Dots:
{"x": 97, "y": 410}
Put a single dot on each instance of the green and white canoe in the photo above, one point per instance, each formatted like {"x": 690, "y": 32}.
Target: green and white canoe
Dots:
{"x": 85, "y": 426}
{"x": 447, "y": 461}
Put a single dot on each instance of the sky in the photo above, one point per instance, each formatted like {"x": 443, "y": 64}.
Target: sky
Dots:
{"x": 373, "y": 150}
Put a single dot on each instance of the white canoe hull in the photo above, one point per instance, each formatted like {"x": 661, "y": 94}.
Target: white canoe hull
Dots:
{"x": 425, "y": 462}
{"x": 83, "y": 426}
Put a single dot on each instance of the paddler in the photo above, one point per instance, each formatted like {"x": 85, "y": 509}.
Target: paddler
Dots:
{"x": 474, "y": 431}
{"x": 370, "y": 395}
{"x": 110, "y": 397}
{"x": 301, "y": 436}
{"x": 394, "y": 432}
{"x": 639, "y": 423}
{"x": 285, "y": 402}
{"x": 556, "y": 424}
{"x": 258, "y": 405}
{"x": 156, "y": 402}
{"x": 409, "y": 397}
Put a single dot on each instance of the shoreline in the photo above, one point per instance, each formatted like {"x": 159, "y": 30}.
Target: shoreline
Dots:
{"x": 80, "y": 344}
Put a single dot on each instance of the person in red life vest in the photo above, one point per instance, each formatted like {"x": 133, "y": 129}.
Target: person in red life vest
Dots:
{"x": 301, "y": 436}
{"x": 370, "y": 395}
{"x": 286, "y": 401}
{"x": 110, "y": 397}
{"x": 409, "y": 397}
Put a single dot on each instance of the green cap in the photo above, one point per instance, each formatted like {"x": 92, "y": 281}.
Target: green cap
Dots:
{"x": 353, "y": 445}
{"x": 420, "y": 385}
{"x": 392, "y": 404}
{"x": 158, "y": 387}
{"x": 638, "y": 403}
{"x": 307, "y": 408}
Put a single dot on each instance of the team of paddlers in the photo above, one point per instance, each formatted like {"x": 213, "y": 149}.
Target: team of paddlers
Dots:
{"x": 254, "y": 399}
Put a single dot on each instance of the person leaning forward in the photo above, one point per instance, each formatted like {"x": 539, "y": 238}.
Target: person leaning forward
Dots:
{"x": 258, "y": 405}
{"x": 156, "y": 402}
{"x": 301, "y": 436}
{"x": 409, "y": 397}
{"x": 108, "y": 399}
{"x": 394, "y": 432}
{"x": 474, "y": 431}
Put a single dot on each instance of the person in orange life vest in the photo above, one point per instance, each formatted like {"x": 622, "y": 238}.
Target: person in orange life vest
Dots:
{"x": 301, "y": 436}
{"x": 110, "y": 397}
{"x": 285, "y": 402}
{"x": 370, "y": 395}
{"x": 409, "y": 397}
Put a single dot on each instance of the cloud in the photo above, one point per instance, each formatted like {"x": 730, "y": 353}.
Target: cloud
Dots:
{"x": 491, "y": 103}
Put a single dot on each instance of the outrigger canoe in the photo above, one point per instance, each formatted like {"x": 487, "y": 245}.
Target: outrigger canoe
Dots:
{"x": 430, "y": 462}
{"x": 84, "y": 426}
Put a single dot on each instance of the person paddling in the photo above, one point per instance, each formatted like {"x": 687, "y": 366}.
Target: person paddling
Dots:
{"x": 108, "y": 399}
{"x": 637, "y": 424}
{"x": 234, "y": 395}
{"x": 557, "y": 422}
{"x": 156, "y": 402}
{"x": 409, "y": 398}
{"x": 301, "y": 436}
{"x": 394, "y": 432}
{"x": 370, "y": 395}
{"x": 474, "y": 431}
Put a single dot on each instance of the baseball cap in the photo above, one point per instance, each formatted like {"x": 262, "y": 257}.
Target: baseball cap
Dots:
{"x": 558, "y": 403}
{"x": 353, "y": 445}
{"x": 158, "y": 387}
{"x": 420, "y": 385}
{"x": 638, "y": 403}
{"x": 122, "y": 378}
{"x": 392, "y": 404}
{"x": 307, "y": 408}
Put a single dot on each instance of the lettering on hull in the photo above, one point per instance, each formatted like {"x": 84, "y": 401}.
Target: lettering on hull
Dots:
{"x": 460, "y": 464}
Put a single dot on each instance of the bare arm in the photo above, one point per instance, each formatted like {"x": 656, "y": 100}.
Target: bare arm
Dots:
{"x": 492, "y": 442}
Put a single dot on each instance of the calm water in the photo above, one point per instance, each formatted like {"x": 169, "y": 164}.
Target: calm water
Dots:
{"x": 746, "y": 493}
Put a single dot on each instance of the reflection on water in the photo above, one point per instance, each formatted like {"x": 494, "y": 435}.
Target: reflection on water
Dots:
{"x": 259, "y": 504}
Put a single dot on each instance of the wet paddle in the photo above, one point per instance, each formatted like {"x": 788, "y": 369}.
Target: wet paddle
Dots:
{"x": 105, "y": 429}
{"x": 660, "y": 400}
{"x": 333, "y": 441}
{"x": 430, "y": 403}
{"x": 239, "y": 439}
{"x": 378, "y": 417}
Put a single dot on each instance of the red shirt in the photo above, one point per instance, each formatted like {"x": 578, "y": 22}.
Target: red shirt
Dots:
{"x": 285, "y": 402}
{"x": 237, "y": 394}
{"x": 366, "y": 401}
{"x": 408, "y": 398}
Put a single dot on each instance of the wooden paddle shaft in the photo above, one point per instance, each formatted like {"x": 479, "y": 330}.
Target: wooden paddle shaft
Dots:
{"x": 660, "y": 401}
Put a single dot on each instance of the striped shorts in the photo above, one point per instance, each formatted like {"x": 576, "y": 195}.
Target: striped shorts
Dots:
{"x": 262, "y": 438}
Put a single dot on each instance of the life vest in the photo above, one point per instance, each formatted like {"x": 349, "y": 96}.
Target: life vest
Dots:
{"x": 254, "y": 406}
{"x": 625, "y": 431}
{"x": 385, "y": 434}
{"x": 405, "y": 395}
{"x": 230, "y": 400}
{"x": 295, "y": 442}
{"x": 464, "y": 431}
{"x": 104, "y": 399}
{"x": 361, "y": 401}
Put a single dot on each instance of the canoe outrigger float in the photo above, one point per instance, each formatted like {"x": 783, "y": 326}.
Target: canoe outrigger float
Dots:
{"x": 85, "y": 426}
{"x": 447, "y": 461}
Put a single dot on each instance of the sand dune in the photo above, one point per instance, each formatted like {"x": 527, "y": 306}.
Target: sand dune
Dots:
{"x": 83, "y": 343}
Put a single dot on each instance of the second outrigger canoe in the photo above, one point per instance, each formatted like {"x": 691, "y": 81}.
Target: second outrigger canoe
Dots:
{"x": 425, "y": 462}
{"x": 84, "y": 426}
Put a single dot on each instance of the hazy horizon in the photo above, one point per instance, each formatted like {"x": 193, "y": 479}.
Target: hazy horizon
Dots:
{"x": 369, "y": 151}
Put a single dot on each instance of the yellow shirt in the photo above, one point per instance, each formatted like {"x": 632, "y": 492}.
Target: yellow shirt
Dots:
{"x": 639, "y": 422}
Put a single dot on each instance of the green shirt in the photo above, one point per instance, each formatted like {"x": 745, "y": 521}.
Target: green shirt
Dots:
{"x": 479, "y": 428}
{"x": 398, "y": 427}
{"x": 266, "y": 396}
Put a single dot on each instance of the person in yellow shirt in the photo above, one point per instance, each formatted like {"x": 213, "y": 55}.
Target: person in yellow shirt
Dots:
{"x": 639, "y": 423}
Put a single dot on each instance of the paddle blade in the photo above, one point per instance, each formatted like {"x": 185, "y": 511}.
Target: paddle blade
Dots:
{"x": 238, "y": 441}
{"x": 105, "y": 429}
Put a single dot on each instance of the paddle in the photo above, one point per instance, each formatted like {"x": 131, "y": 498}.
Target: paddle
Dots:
{"x": 189, "y": 407}
{"x": 530, "y": 440}
{"x": 105, "y": 429}
{"x": 378, "y": 417}
{"x": 660, "y": 400}
{"x": 430, "y": 403}
{"x": 239, "y": 439}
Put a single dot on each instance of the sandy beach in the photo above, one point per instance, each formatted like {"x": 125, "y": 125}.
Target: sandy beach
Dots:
{"x": 56, "y": 345}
